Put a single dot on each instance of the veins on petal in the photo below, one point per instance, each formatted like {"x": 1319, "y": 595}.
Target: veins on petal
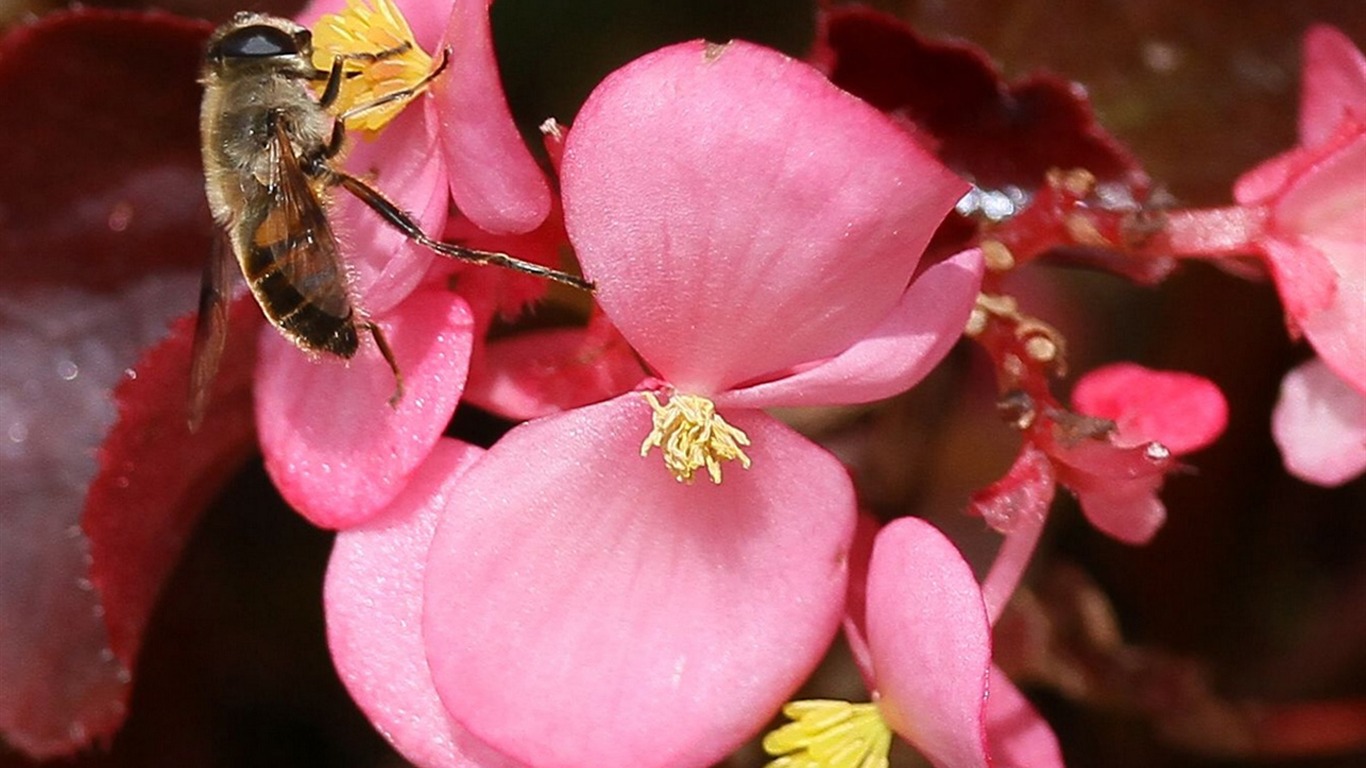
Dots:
{"x": 691, "y": 435}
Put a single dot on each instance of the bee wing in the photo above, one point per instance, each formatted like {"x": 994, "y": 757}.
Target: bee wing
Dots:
{"x": 210, "y": 330}
{"x": 297, "y": 237}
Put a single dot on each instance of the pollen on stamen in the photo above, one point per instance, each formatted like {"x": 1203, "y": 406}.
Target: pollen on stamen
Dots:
{"x": 370, "y": 28}
{"x": 830, "y": 734}
{"x": 692, "y": 435}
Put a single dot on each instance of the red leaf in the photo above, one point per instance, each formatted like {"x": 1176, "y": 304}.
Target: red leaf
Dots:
{"x": 997, "y": 134}
{"x": 101, "y": 220}
{"x": 101, "y": 147}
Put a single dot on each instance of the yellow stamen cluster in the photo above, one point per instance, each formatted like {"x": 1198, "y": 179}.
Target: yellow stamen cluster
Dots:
{"x": 830, "y": 734}
{"x": 378, "y": 45}
{"x": 691, "y": 435}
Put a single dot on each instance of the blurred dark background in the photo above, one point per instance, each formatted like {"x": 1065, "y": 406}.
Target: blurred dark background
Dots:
{"x": 1258, "y": 580}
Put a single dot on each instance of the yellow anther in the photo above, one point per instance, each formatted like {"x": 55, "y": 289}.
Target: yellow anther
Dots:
{"x": 382, "y": 58}
{"x": 691, "y": 435}
{"x": 830, "y": 734}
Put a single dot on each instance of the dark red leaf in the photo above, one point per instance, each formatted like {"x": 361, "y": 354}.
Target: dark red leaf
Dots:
{"x": 101, "y": 147}
{"x": 994, "y": 133}
{"x": 102, "y": 232}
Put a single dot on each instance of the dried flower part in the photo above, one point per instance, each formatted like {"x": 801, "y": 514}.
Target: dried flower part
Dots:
{"x": 381, "y": 49}
{"x": 692, "y": 435}
{"x": 830, "y": 734}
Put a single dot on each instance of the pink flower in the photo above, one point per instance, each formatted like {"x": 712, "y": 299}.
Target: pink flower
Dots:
{"x": 1316, "y": 245}
{"x": 921, "y": 633}
{"x": 334, "y": 448}
{"x": 1158, "y": 415}
{"x": 753, "y": 231}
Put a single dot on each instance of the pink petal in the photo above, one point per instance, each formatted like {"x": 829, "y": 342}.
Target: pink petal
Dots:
{"x": 1132, "y": 513}
{"x": 856, "y": 606}
{"x": 403, "y": 164}
{"x": 779, "y": 221}
{"x": 1324, "y": 208}
{"x": 1320, "y": 426}
{"x": 373, "y": 597}
{"x": 334, "y": 447}
{"x": 1182, "y": 411}
{"x": 895, "y": 355}
{"x": 1016, "y": 733}
{"x": 547, "y": 372}
{"x": 930, "y": 641}
{"x": 493, "y": 178}
{"x": 1334, "y": 84}
{"x": 585, "y": 609}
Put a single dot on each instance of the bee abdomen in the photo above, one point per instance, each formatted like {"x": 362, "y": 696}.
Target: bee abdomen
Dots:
{"x": 313, "y": 310}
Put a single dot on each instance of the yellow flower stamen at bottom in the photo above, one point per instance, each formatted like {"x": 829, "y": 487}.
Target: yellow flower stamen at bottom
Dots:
{"x": 691, "y": 435}
{"x": 369, "y": 31}
{"x": 830, "y": 734}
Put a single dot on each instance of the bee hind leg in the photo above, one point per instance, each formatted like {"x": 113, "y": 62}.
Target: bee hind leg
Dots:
{"x": 388, "y": 353}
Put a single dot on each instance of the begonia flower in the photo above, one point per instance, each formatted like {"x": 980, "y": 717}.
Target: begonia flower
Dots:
{"x": 1315, "y": 244}
{"x": 1157, "y": 416}
{"x": 334, "y": 448}
{"x": 753, "y": 232}
{"x": 923, "y": 642}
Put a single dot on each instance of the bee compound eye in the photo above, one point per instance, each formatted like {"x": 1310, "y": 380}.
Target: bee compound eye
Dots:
{"x": 259, "y": 41}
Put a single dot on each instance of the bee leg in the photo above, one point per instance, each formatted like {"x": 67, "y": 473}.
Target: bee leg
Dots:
{"x": 406, "y": 93}
{"x": 388, "y": 353}
{"x": 334, "y": 75}
{"x": 395, "y": 216}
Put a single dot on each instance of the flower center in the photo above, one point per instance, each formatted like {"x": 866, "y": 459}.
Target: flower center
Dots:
{"x": 382, "y": 59}
{"x": 830, "y": 734}
{"x": 691, "y": 435}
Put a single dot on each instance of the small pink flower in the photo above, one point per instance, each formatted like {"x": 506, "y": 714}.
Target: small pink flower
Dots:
{"x": 1316, "y": 245}
{"x": 334, "y": 448}
{"x": 753, "y": 232}
{"x": 1158, "y": 415}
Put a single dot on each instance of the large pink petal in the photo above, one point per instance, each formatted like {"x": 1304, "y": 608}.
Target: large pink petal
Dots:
{"x": 493, "y": 178}
{"x": 1320, "y": 425}
{"x": 1334, "y": 84}
{"x": 373, "y": 597}
{"x": 740, "y": 214}
{"x": 583, "y": 608}
{"x": 1324, "y": 208}
{"x": 1017, "y": 735}
{"x": 334, "y": 447}
{"x": 894, "y": 356}
{"x": 930, "y": 642}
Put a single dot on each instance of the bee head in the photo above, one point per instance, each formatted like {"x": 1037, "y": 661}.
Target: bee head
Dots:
{"x": 255, "y": 39}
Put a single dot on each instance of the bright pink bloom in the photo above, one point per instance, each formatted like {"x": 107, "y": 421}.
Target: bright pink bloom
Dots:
{"x": 927, "y": 639}
{"x": 752, "y": 231}
{"x": 334, "y": 448}
{"x": 1316, "y": 246}
{"x": 1320, "y": 425}
{"x": 1158, "y": 415}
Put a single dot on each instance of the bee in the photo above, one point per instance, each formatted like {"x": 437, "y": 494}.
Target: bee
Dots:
{"x": 269, "y": 145}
